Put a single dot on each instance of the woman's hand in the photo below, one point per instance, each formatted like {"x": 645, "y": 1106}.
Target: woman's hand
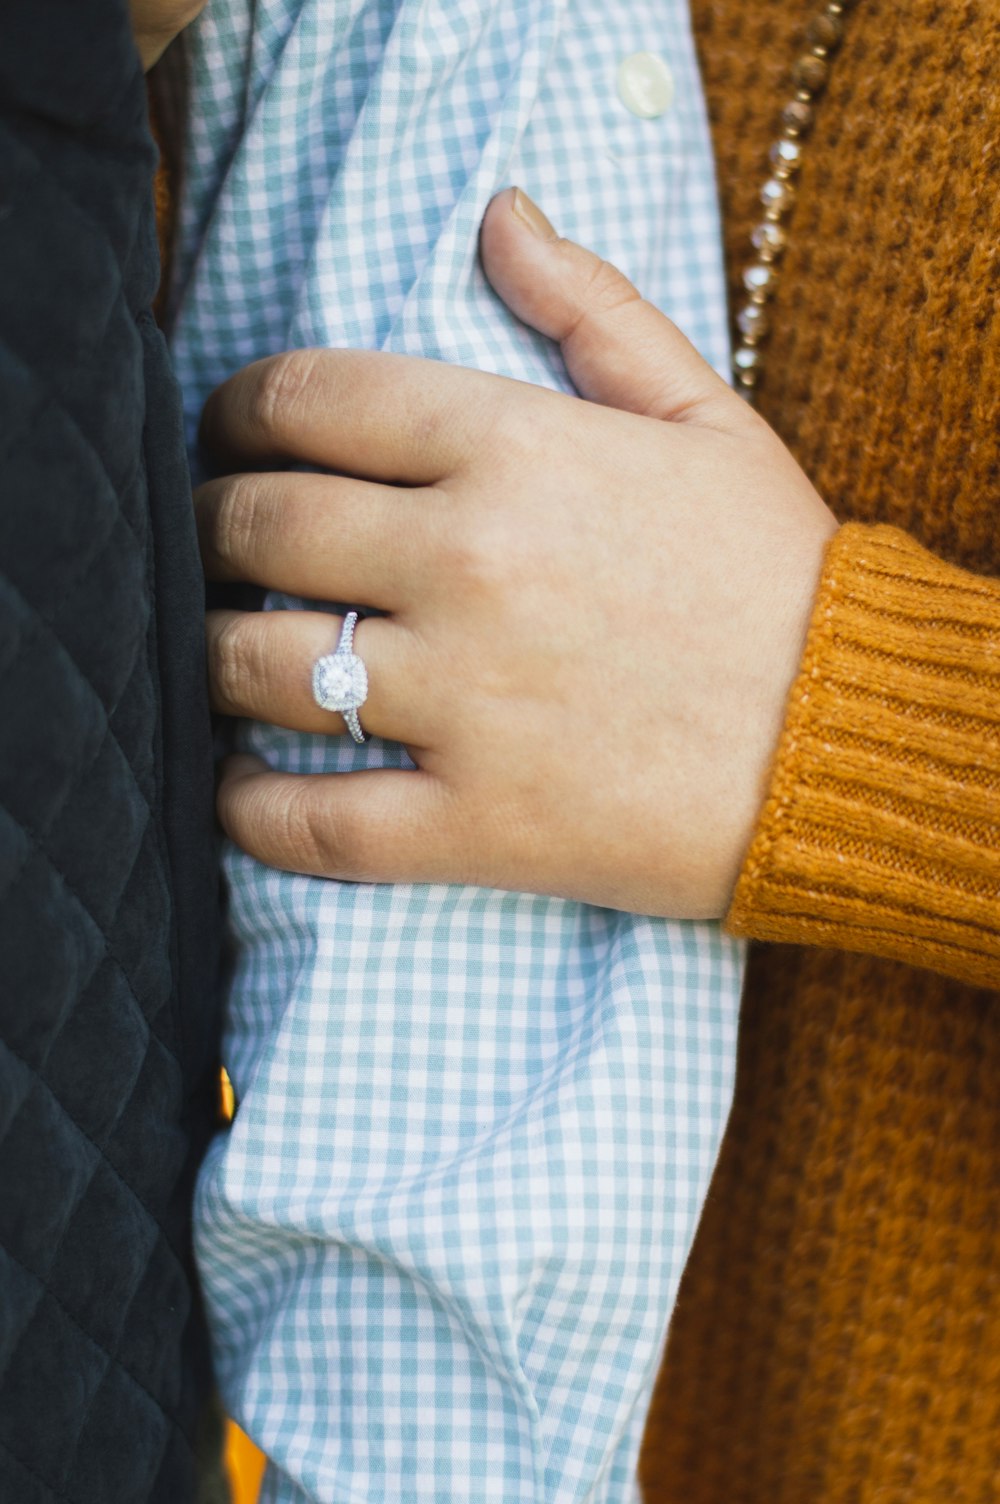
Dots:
{"x": 595, "y": 608}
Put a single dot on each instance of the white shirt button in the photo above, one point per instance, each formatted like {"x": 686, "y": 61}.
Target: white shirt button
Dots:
{"x": 645, "y": 84}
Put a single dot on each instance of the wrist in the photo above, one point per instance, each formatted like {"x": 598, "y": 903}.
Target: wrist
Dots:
{"x": 783, "y": 639}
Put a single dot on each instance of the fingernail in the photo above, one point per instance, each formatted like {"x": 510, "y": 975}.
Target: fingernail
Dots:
{"x": 530, "y": 215}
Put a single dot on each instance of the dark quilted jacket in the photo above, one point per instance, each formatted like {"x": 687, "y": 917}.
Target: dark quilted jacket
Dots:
{"x": 107, "y": 874}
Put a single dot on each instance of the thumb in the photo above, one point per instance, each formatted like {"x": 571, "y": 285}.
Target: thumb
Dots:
{"x": 619, "y": 349}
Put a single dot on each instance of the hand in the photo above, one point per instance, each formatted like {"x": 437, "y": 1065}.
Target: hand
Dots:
{"x": 155, "y": 23}
{"x": 596, "y": 608}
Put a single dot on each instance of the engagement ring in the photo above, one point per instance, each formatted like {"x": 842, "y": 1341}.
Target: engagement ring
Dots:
{"x": 340, "y": 680}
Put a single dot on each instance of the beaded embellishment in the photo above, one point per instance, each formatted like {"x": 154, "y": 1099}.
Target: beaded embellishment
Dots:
{"x": 770, "y": 236}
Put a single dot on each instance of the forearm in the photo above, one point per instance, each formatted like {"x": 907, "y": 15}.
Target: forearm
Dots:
{"x": 881, "y": 831}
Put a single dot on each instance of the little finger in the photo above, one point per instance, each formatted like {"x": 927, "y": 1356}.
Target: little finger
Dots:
{"x": 382, "y": 826}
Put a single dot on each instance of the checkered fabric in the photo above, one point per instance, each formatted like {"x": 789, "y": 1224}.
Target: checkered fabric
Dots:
{"x": 442, "y": 1240}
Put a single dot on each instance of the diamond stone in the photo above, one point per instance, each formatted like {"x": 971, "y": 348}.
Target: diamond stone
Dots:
{"x": 340, "y": 682}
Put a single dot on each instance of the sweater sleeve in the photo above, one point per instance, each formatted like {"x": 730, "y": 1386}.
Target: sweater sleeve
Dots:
{"x": 880, "y": 832}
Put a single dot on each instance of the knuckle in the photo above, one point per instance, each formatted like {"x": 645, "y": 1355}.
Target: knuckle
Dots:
{"x": 231, "y": 669}
{"x": 237, "y": 519}
{"x": 280, "y": 392}
{"x": 321, "y": 836}
{"x": 474, "y": 559}
{"x": 606, "y": 289}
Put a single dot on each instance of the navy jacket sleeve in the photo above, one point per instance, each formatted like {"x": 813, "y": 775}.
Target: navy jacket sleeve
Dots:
{"x": 107, "y": 864}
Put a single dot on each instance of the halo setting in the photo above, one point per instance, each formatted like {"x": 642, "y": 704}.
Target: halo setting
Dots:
{"x": 340, "y": 680}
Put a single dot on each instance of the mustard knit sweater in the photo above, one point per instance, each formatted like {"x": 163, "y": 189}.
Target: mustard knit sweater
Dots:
{"x": 837, "y": 1339}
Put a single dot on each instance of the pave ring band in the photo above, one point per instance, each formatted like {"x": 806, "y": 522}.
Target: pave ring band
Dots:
{"x": 340, "y": 680}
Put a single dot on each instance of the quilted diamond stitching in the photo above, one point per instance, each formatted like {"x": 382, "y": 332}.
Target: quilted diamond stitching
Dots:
{"x": 117, "y": 150}
{"x": 25, "y": 436}
{"x": 102, "y": 1155}
{"x": 42, "y": 850}
{"x": 45, "y": 625}
{"x": 111, "y": 1357}
{"x": 55, "y": 1492}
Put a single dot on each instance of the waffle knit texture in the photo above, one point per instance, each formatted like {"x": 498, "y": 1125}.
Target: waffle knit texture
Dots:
{"x": 837, "y": 1336}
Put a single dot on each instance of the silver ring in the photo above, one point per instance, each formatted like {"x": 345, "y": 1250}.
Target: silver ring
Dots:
{"x": 340, "y": 680}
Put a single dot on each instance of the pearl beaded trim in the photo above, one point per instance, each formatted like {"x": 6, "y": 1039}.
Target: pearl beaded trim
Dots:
{"x": 770, "y": 237}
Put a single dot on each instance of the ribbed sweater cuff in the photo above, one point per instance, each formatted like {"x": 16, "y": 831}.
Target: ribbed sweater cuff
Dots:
{"x": 881, "y": 830}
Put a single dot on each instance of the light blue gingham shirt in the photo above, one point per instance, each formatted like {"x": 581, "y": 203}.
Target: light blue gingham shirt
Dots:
{"x": 442, "y": 1240}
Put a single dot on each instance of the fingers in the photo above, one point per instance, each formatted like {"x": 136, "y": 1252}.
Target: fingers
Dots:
{"x": 378, "y": 826}
{"x": 260, "y": 665}
{"x": 362, "y": 412}
{"x": 619, "y": 349}
{"x": 319, "y": 536}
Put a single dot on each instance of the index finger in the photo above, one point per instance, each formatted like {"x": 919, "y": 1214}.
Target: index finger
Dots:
{"x": 360, "y": 412}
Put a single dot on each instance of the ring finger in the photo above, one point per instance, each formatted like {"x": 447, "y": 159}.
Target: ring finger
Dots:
{"x": 260, "y": 665}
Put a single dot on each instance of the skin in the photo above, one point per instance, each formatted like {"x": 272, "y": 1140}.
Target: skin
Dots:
{"x": 155, "y": 23}
{"x": 596, "y": 607}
